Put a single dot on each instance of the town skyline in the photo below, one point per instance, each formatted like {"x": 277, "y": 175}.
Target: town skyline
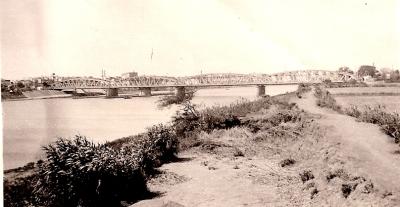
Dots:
{"x": 100, "y": 75}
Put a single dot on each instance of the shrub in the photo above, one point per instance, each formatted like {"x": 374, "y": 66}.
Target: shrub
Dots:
{"x": 78, "y": 172}
{"x": 350, "y": 83}
{"x": 18, "y": 191}
{"x": 186, "y": 122}
{"x": 287, "y": 162}
{"x": 190, "y": 121}
{"x": 166, "y": 101}
{"x": 212, "y": 118}
{"x": 272, "y": 119}
{"x": 353, "y": 111}
{"x": 389, "y": 122}
{"x": 306, "y": 175}
{"x": 302, "y": 88}
{"x": 157, "y": 145}
{"x": 160, "y": 145}
{"x": 325, "y": 99}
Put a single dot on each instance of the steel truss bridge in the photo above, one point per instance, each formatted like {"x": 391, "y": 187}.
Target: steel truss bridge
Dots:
{"x": 221, "y": 79}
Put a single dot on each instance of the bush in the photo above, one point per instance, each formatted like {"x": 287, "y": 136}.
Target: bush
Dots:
{"x": 190, "y": 121}
{"x": 302, "y": 88}
{"x": 157, "y": 146}
{"x": 325, "y": 99}
{"x": 18, "y": 191}
{"x": 79, "y": 173}
{"x": 160, "y": 145}
{"x": 213, "y": 118}
{"x": 353, "y": 111}
{"x": 166, "y": 101}
{"x": 389, "y": 122}
{"x": 350, "y": 83}
{"x": 270, "y": 120}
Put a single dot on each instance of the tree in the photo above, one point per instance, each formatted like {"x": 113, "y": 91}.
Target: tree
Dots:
{"x": 4, "y": 87}
{"x": 367, "y": 70}
{"x": 345, "y": 69}
{"x": 395, "y": 75}
{"x": 385, "y": 71}
{"x": 20, "y": 85}
{"x": 46, "y": 84}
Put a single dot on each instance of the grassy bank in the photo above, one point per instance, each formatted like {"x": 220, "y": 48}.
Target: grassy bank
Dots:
{"x": 389, "y": 122}
{"x": 325, "y": 99}
{"x": 11, "y": 96}
{"x": 330, "y": 84}
{"x": 391, "y": 103}
{"x": 76, "y": 172}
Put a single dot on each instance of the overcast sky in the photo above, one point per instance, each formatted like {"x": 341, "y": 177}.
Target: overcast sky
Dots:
{"x": 82, "y": 37}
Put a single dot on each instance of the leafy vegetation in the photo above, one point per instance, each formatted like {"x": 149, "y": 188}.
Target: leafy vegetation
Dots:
{"x": 77, "y": 172}
{"x": 18, "y": 191}
{"x": 325, "y": 99}
{"x": 351, "y": 83}
{"x": 389, "y": 122}
{"x": 166, "y": 101}
{"x": 302, "y": 88}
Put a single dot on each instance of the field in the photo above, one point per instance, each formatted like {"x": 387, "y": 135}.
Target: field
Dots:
{"x": 391, "y": 103}
{"x": 364, "y": 90}
{"x": 372, "y": 96}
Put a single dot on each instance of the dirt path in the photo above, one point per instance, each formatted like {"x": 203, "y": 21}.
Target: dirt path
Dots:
{"x": 370, "y": 151}
{"x": 205, "y": 181}
{"x": 360, "y": 151}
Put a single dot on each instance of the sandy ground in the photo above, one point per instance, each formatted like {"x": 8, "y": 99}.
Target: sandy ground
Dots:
{"x": 373, "y": 153}
{"x": 351, "y": 163}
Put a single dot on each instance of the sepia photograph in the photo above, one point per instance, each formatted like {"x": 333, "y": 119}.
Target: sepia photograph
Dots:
{"x": 200, "y": 103}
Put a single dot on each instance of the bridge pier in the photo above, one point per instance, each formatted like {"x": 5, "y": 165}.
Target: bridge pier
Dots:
{"x": 180, "y": 92}
{"x": 146, "y": 91}
{"x": 261, "y": 90}
{"x": 112, "y": 92}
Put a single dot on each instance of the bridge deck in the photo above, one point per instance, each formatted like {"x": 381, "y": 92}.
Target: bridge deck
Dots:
{"x": 171, "y": 86}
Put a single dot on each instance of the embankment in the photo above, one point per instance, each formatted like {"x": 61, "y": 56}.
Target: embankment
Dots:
{"x": 73, "y": 165}
{"x": 268, "y": 152}
{"x": 40, "y": 94}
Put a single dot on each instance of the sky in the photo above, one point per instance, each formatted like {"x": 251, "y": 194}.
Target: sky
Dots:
{"x": 183, "y": 37}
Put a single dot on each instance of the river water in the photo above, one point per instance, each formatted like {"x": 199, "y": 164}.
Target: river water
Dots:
{"x": 30, "y": 124}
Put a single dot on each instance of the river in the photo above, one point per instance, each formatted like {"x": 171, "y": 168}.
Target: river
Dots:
{"x": 30, "y": 124}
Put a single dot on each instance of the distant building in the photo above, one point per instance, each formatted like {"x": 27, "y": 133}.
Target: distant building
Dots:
{"x": 129, "y": 75}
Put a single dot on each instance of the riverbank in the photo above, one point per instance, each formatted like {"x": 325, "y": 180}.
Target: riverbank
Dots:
{"x": 64, "y": 95}
{"x": 222, "y": 119}
{"x": 274, "y": 151}
{"x": 35, "y": 95}
{"x": 326, "y": 163}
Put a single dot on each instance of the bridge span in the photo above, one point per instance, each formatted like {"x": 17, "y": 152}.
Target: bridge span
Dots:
{"x": 146, "y": 83}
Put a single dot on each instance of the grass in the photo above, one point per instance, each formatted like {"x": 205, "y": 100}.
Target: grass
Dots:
{"x": 77, "y": 172}
{"x": 389, "y": 122}
{"x": 325, "y": 99}
{"x": 329, "y": 84}
{"x": 365, "y": 90}
{"x": 391, "y": 103}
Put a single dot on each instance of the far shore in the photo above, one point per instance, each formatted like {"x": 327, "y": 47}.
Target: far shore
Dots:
{"x": 122, "y": 95}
